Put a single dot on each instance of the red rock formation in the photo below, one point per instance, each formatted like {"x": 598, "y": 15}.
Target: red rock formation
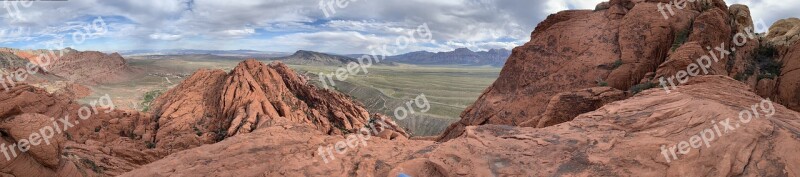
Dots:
{"x": 567, "y": 105}
{"x": 106, "y": 143}
{"x": 574, "y": 50}
{"x": 620, "y": 139}
{"x": 212, "y": 105}
{"x": 788, "y": 86}
{"x": 209, "y": 106}
{"x": 90, "y": 67}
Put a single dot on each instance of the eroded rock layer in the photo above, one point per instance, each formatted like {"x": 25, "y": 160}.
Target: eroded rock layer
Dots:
{"x": 622, "y": 138}
{"x": 211, "y": 105}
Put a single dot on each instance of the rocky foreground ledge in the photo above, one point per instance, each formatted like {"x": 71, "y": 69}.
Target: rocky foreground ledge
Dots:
{"x": 620, "y": 139}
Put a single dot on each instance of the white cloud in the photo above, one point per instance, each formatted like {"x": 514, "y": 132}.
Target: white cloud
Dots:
{"x": 238, "y": 32}
{"x": 166, "y": 37}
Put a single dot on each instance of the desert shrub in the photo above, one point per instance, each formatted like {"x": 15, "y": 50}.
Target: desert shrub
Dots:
{"x": 601, "y": 83}
{"x": 748, "y": 71}
{"x": 680, "y": 39}
{"x": 197, "y": 130}
{"x": 150, "y": 145}
{"x": 221, "y": 134}
{"x": 641, "y": 87}
{"x": 764, "y": 58}
{"x": 92, "y": 165}
{"x": 617, "y": 64}
{"x": 148, "y": 99}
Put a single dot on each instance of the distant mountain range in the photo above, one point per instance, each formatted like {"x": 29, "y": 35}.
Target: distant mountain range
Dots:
{"x": 461, "y": 56}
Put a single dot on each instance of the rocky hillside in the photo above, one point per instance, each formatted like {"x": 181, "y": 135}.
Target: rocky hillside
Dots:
{"x": 85, "y": 67}
{"x": 91, "y": 67}
{"x": 461, "y": 56}
{"x": 619, "y": 139}
{"x": 628, "y": 46}
{"x": 303, "y": 57}
{"x": 208, "y": 107}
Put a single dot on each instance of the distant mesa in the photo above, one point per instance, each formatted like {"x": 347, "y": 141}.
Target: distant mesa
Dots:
{"x": 303, "y": 57}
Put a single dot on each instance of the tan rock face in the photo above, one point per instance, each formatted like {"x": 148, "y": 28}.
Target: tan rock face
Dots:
{"x": 573, "y": 50}
{"x": 784, "y": 32}
{"x": 620, "y": 139}
{"x": 740, "y": 15}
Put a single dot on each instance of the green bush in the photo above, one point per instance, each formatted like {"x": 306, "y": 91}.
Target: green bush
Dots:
{"x": 151, "y": 145}
{"x": 197, "y": 130}
{"x": 641, "y": 87}
{"x": 617, "y": 64}
{"x": 764, "y": 57}
{"x": 601, "y": 83}
{"x": 149, "y": 97}
{"x": 680, "y": 38}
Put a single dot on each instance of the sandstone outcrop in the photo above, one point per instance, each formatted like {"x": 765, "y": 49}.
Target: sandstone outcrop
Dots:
{"x": 576, "y": 49}
{"x": 620, "y": 139}
{"x": 788, "y": 86}
{"x": 107, "y": 143}
{"x": 784, "y": 32}
{"x": 774, "y": 64}
{"x": 211, "y": 105}
{"x": 90, "y": 67}
{"x": 567, "y": 105}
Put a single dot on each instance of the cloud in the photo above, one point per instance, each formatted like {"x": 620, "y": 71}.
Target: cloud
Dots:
{"x": 288, "y": 25}
{"x": 234, "y": 33}
{"x": 166, "y": 37}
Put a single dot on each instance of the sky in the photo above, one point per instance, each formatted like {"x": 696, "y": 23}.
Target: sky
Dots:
{"x": 355, "y": 26}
